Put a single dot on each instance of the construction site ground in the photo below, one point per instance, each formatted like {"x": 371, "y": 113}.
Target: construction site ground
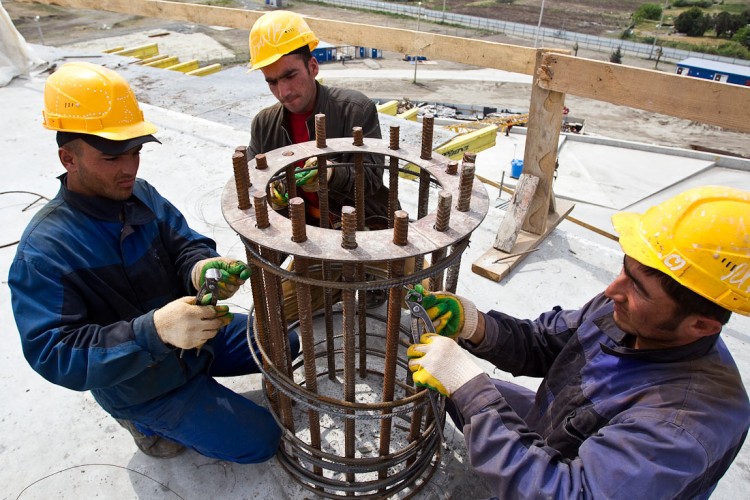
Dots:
{"x": 57, "y": 443}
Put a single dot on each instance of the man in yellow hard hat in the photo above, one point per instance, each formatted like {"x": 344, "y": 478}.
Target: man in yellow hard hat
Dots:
{"x": 641, "y": 397}
{"x": 104, "y": 286}
{"x": 281, "y": 45}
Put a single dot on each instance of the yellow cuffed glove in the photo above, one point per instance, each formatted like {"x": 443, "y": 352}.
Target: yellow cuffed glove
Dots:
{"x": 181, "y": 323}
{"x": 451, "y": 315}
{"x": 233, "y": 275}
{"x": 440, "y": 364}
{"x": 278, "y": 195}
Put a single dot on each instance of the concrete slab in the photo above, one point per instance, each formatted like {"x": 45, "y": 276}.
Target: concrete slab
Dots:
{"x": 58, "y": 443}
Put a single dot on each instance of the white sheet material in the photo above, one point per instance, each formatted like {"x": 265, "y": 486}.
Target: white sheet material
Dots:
{"x": 16, "y": 57}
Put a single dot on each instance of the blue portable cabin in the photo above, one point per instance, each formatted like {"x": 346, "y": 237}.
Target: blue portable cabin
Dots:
{"x": 324, "y": 52}
{"x": 714, "y": 70}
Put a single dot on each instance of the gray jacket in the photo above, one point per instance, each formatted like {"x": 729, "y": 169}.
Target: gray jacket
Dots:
{"x": 344, "y": 110}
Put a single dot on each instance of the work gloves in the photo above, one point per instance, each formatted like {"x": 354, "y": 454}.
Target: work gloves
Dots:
{"x": 181, "y": 323}
{"x": 451, "y": 315}
{"x": 306, "y": 180}
{"x": 440, "y": 364}
{"x": 233, "y": 275}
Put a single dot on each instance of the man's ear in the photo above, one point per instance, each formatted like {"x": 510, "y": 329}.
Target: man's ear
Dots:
{"x": 313, "y": 67}
{"x": 68, "y": 159}
{"x": 703, "y": 326}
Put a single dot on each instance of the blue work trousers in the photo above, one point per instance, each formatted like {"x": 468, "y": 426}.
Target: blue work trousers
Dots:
{"x": 208, "y": 417}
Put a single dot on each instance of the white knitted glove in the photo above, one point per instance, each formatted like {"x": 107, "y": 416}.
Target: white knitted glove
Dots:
{"x": 183, "y": 324}
{"x": 439, "y": 363}
{"x": 233, "y": 274}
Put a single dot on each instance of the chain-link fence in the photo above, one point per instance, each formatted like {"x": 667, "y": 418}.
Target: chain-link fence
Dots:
{"x": 544, "y": 36}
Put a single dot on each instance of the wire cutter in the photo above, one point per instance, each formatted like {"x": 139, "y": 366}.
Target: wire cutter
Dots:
{"x": 210, "y": 285}
{"x": 413, "y": 300}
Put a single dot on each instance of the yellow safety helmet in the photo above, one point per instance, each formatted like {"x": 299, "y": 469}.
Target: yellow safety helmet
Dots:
{"x": 86, "y": 98}
{"x": 277, "y": 33}
{"x": 701, "y": 238}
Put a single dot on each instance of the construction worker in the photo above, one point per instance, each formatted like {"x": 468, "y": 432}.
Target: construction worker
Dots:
{"x": 104, "y": 287}
{"x": 281, "y": 45}
{"x": 640, "y": 397}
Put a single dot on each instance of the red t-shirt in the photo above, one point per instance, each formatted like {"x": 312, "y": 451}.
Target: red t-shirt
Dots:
{"x": 298, "y": 129}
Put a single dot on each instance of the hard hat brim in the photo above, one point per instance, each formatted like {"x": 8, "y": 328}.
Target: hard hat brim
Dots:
{"x": 633, "y": 241}
{"x": 106, "y": 146}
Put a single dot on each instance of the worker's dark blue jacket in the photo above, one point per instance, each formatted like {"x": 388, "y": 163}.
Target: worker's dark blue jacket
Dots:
{"x": 88, "y": 275}
{"x": 608, "y": 421}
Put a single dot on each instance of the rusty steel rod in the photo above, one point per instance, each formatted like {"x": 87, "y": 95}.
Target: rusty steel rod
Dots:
{"x": 369, "y": 347}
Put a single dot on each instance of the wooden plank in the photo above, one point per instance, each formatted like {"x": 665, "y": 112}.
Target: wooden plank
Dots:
{"x": 511, "y": 224}
{"x": 488, "y": 265}
{"x": 721, "y": 104}
{"x": 513, "y": 58}
{"x": 540, "y": 153}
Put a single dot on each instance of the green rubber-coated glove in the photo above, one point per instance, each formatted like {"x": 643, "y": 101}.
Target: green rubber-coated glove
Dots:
{"x": 308, "y": 180}
{"x": 233, "y": 275}
{"x": 451, "y": 315}
{"x": 181, "y": 323}
{"x": 440, "y": 364}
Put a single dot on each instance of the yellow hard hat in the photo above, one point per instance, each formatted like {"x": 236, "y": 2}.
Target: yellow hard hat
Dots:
{"x": 277, "y": 33}
{"x": 701, "y": 238}
{"x": 86, "y": 98}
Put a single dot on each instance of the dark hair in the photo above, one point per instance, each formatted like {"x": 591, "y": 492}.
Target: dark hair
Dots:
{"x": 304, "y": 52}
{"x": 689, "y": 302}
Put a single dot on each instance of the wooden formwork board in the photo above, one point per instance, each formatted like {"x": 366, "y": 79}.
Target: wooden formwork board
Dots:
{"x": 496, "y": 265}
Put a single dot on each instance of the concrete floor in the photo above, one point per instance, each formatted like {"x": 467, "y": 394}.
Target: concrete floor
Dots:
{"x": 59, "y": 444}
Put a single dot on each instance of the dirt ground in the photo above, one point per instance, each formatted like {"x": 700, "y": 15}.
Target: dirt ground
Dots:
{"x": 61, "y": 27}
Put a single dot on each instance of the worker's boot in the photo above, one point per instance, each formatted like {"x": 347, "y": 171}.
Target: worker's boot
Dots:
{"x": 153, "y": 446}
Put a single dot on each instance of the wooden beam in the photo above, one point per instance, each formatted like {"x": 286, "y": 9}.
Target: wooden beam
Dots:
{"x": 540, "y": 154}
{"x": 511, "y": 224}
{"x": 721, "y": 104}
{"x": 513, "y": 58}
{"x": 496, "y": 265}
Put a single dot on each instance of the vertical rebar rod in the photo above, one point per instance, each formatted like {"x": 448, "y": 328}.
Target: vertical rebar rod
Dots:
{"x": 297, "y": 216}
{"x": 428, "y": 124}
{"x": 451, "y": 168}
{"x": 422, "y": 207}
{"x": 277, "y": 332}
{"x": 348, "y": 228}
{"x": 359, "y": 179}
{"x": 465, "y": 186}
{"x": 442, "y": 223}
{"x": 291, "y": 184}
{"x": 304, "y": 309}
{"x": 362, "y": 321}
{"x": 261, "y": 210}
{"x": 393, "y": 174}
{"x": 393, "y": 327}
{"x": 320, "y": 130}
{"x": 241, "y": 178}
{"x": 349, "y": 312}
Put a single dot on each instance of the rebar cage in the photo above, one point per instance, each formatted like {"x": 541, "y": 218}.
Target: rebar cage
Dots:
{"x": 353, "y": 422}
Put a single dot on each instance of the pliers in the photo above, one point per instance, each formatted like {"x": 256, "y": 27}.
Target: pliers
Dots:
{"x": 210, "y": 285}
{"x": 413, "y": 301}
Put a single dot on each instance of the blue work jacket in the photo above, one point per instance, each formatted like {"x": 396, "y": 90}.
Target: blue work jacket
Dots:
{"x": 607, "y": 421}
{"x": 87, "y": 276}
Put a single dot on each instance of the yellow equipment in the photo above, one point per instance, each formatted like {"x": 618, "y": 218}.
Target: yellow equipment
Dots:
{"x": 91, "y": 99}
{"x": 277, "y": 33}
{"x": 502, "y": 122}
{"x": 700, "y": 238}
